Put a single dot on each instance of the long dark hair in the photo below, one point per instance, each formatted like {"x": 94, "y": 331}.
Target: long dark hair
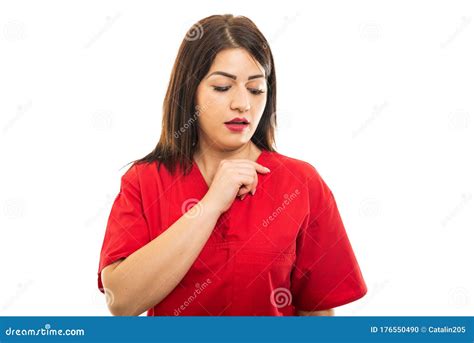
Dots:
{"x": 179, "y": 135}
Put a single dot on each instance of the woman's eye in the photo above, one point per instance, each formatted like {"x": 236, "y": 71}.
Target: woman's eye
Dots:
{"x": 221, "y": 89}
{"x": 256, "y": 91}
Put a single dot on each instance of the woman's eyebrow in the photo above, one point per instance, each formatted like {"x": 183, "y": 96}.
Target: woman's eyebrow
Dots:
{"x": 233, "y": 77}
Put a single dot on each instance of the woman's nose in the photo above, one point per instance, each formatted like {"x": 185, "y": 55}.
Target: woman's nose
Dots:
{"x": 240, "y": 100}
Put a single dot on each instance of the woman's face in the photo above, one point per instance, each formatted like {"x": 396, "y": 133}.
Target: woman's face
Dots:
{"x": 235, "y": 86}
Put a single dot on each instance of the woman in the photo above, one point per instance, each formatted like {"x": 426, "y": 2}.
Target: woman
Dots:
{"x": 214, "y": 221}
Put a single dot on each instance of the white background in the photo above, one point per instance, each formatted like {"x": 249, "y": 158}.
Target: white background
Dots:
{"x": 377, "y": 95}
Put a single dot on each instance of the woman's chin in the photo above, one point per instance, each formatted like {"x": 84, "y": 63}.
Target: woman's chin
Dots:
{"x": 234, "y": 144}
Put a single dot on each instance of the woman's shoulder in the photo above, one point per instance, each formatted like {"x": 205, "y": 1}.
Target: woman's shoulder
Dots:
{"x": 305, "y": 173}
{"x": 140, "y": 172}
{"x": 295, "y": 165}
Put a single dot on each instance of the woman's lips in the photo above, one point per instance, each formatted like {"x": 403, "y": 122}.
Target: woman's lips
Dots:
{"x": 236, "y": 127}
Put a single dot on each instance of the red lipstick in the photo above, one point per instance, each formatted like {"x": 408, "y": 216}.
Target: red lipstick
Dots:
{"x": 237, "y": 124}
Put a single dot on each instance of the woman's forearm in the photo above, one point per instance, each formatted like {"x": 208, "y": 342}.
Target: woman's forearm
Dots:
{"x": 149, "y": 274}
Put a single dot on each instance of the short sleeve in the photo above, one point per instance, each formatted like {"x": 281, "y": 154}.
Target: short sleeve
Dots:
{"x": 127, "y": 229}
{"x": 326, "y": 273}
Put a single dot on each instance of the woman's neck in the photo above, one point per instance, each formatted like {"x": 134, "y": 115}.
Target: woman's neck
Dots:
{"x": 208, "y": 159}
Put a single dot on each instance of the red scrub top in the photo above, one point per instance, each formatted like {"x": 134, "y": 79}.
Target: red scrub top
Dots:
{"x": 283, "y": 249}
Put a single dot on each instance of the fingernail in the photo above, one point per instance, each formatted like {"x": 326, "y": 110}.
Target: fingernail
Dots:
{"x": 267, "y": 169}
{"x": 253, "y": 191}
{"x": 243, "y": 196}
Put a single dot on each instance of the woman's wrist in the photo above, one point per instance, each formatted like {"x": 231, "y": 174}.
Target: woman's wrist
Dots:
{"x": 209, "y": 206}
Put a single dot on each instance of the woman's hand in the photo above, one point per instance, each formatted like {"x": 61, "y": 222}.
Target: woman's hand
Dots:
{"x": 233, "y": 178}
